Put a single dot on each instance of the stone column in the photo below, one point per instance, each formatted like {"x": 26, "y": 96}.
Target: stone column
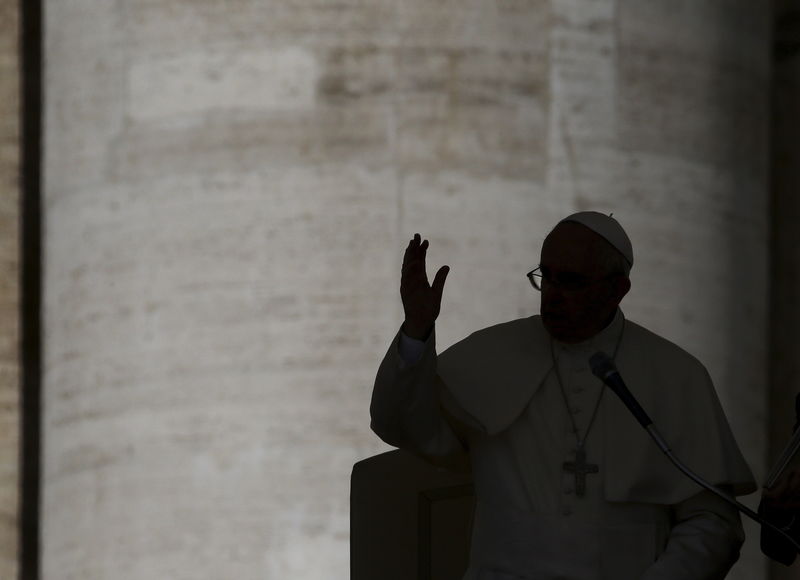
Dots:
{"x": 9, "y": 286}
{"x": 659, "y": 113}
{"x": 229, "y": 188}
{"x": 785, "y": 263}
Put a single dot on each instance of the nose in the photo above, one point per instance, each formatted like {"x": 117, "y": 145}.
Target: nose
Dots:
{"x": 552, "y": 298}
{"x": 549, "y": 289}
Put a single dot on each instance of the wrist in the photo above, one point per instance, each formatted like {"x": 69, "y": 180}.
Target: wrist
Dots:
{"x": 416, "y": 332}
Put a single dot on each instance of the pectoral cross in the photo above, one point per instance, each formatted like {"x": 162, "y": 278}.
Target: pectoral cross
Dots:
{"x": 580, "y": 468}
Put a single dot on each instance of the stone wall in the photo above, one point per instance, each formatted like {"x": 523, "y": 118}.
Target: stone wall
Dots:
{"x": 9, "y": 286}
{"x": 229, "y": 187}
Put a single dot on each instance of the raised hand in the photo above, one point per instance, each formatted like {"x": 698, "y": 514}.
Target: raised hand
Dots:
{"x": 786, "y": 492}
{"x": 421, "y": 301}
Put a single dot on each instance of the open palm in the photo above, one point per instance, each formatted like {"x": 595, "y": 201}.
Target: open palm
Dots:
{"x": 421, "y": 301}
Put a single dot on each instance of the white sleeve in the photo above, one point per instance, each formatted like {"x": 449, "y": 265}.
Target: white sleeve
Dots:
{"x": 405, "y": 409}
{"x": 411, "y": 349}
{"x": 703, "y": 544}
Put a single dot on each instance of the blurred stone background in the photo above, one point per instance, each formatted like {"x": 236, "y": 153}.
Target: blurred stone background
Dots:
{"x": 9, "y": 287}
{"x": 228, "y": 188}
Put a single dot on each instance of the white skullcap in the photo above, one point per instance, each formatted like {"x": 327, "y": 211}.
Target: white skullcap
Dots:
{"x": 607, "y": 227}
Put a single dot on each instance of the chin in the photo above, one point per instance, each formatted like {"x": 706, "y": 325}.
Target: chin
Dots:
{"x": 557, "y": 330}
{"x": 563, "y": 332}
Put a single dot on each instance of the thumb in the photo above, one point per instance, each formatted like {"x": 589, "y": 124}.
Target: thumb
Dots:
{"x": 438, "y": 281}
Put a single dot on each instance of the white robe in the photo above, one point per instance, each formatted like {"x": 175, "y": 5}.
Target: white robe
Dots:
{"x": 495, "y": 395}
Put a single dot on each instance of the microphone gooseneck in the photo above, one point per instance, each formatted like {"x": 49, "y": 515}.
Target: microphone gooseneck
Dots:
{"x": 604, "y": 369}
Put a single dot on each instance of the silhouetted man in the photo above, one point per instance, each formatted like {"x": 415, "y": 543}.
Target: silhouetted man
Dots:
{"x": 567, "y": 484}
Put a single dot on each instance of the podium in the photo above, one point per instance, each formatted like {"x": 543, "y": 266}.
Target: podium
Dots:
{"x": 409, "y": 520}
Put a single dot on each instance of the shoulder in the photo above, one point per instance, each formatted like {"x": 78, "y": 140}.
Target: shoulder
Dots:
{"x": 660, "y": 352}
{"x": 521, "y": 333}
{"x": 505, "y": 342}
{"x": 510, "y": 327}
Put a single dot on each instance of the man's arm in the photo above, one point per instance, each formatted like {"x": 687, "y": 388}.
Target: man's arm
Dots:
{"x": 703, "y": 543}
{"x": 406, "y": 408}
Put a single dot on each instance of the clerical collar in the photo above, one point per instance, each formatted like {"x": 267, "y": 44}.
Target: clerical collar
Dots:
{"x": 608, "y": 334}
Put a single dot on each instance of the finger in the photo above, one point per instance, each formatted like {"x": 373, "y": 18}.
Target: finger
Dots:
{"x": 414, "y": 258}
{"x": 438, "y": 281}
{"x": 423, "y": 248}
{"x": 410, "y": 249}
{"x": 413, "y": 244}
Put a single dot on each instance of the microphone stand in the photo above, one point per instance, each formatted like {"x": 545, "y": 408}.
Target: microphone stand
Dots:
{"x": 604, "y": 369}
{"x": 730, "y": 499}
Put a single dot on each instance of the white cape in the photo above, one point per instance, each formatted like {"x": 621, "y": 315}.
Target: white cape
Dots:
{"x": 493, "y": 373}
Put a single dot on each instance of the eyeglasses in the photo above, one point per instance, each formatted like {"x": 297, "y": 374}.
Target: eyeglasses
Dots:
{"x": 566, "y": 281}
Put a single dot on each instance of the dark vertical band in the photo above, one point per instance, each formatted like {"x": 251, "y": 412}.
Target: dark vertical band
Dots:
{"x": 783, "y": 368}
{"x": 425, "y": 503}
{"x": 30, "y": 284}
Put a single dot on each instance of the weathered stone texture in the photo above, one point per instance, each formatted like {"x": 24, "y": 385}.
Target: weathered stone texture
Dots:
{"x": 229, "y": 187}
{"x": 693, "y": 121}
{"x": 225, "y": 187}
{"x": 9, "y": 287}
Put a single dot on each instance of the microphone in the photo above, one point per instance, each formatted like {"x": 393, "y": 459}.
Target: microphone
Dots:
{"x": 604, "y": 369}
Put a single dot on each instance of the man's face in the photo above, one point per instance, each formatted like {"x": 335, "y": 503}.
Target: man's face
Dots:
{"x": 570, "y": 256}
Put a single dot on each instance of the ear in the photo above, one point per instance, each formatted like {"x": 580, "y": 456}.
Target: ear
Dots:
{"x": 619, "y": 287}
{"x": 622, "y": 285}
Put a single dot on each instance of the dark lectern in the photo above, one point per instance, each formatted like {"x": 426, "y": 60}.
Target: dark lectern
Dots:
{"x": 409, "y": 520}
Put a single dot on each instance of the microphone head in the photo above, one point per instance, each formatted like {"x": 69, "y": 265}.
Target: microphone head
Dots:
{"x": 602, "y": 365}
